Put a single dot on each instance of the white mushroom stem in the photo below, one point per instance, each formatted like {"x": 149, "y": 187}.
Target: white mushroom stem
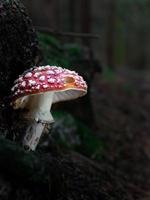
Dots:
{"x": 38, "y": 110}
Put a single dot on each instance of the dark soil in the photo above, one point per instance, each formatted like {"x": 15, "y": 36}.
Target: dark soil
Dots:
{"x": 57, "y": 175}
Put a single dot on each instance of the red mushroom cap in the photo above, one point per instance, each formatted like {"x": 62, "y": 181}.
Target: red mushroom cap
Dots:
{"x": 65, "y": 83}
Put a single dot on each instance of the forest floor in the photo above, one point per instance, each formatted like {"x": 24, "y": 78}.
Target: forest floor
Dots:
{"x": 121, "y": 103}
{"x": 121, "y": 167}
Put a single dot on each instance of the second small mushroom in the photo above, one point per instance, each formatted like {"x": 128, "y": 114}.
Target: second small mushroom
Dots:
{"x": 36, "y": 90}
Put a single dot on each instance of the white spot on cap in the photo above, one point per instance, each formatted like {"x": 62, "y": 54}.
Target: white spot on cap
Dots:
{"x": 58, "y": 71}
{"x": 49, "y": 72}
{"x": 28, "y": 90}
{"x": 13, "y": 88}
{"x": 51, "y": 80}
{"x": 67, "y": 71}
{"x": 42, "y": 78}
{"x": 32, "y": 83}
{"x": 16, "y": 81}
{"x": 23, "y": 84}
{"x": 28, "y": 75}
{"x": 47, "y": 67}
{"x": 20, "y": 78}
{"x": 45, "y": 86}
{"x": 35, "y": 70}
{"x": 43, "y": 68}
{"x": 37, "y": 87}
{"x": 37, "y": 74}
{"x": 59, "y": 80}
{"x": 40, "y": 68}
{"x": 60, "y": 68}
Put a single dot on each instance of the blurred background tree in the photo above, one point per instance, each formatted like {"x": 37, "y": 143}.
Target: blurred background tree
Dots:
{"x": 123, "y": 27}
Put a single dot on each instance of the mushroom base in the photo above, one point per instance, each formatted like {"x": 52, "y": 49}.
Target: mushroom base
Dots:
{"x": 32, "y": 136}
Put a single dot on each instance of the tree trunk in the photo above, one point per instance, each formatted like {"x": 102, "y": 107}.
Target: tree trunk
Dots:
{"x": 18, "y": 45}
{"x": 19, "y": 51}
{"x": 86, "y": 19}
{"x": 111, "y": 34}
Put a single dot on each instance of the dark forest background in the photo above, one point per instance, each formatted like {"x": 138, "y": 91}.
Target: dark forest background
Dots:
{"x": 121, "y": 27}
{"x": 99, "y": 146}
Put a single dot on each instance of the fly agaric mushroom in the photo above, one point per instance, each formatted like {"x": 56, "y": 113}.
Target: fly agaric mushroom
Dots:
{"x": 37, "y": 89}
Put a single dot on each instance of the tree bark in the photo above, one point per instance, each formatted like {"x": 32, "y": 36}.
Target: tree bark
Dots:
{"x": 86, "y": 19}
{"x": 18, "y": 45}
{"x": 111, "y": 34}
{"x": 19, "y": 51}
